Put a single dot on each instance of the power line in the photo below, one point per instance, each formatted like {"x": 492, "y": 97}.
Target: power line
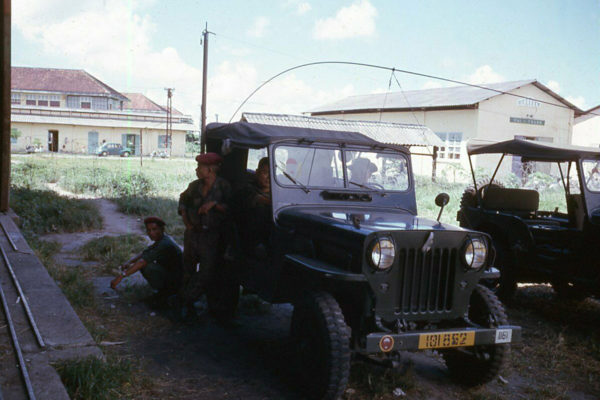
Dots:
{"x": 397, "y": 70}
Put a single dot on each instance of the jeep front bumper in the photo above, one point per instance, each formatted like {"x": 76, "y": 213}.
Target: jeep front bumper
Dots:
{"x": 442, "y": 339}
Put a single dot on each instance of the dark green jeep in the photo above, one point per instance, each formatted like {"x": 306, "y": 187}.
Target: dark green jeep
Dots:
{"x": 345, "y": 246}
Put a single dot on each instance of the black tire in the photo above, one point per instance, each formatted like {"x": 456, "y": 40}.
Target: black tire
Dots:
{"x": 566, "y": 291}
{"x": 322, "y": 343}
{"x": 480, "y": 364}
{"x": 126, "y": 154}
{"x": 223, "y": 296}
{"x": 104, "y": 154}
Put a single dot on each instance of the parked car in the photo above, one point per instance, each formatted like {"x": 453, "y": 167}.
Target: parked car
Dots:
{"x": 541, "y": 246}
{"x": 364, "y": 273}
{"x": 114, "y": 149}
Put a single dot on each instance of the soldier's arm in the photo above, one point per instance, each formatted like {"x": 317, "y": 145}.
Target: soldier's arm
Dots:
{"x": 139, "y": 264}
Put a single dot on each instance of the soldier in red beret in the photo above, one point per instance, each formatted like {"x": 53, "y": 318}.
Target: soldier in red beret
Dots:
{"x": 161, "y": 263}
{"x": 203, "y": 207}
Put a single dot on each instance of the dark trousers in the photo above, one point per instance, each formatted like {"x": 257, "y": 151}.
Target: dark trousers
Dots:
{"x": 159, "y": 278}
{"x": 203, "y": 250}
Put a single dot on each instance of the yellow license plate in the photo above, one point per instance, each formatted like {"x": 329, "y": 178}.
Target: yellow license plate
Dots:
{"x": 446, "y": 339}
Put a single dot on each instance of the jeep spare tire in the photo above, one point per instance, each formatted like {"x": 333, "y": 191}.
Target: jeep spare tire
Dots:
{"x": 322, "y": 346}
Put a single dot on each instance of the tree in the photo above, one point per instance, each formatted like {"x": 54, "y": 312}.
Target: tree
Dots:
{"x": 15, "y": 134}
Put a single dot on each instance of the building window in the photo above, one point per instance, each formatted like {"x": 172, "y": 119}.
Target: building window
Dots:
{"x": 30, "y": 99}
{"x": 85, "y": 102}
{"x": 451, "y": 148}
{"x": 99, "y": 103}
{"x": 54, "y": 103}
{"x": 15, "y": 98}
{"x": 162, "y": 140}
{"x": 72, "y": 102}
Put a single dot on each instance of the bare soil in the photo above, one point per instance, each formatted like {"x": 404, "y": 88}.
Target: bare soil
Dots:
{"x": 249, "y": 359}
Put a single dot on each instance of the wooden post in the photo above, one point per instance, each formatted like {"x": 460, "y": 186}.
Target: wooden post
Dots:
{"x": 434, "y": 163}
{"x": 141, "y": 148}
{"x": 5, "y": 107}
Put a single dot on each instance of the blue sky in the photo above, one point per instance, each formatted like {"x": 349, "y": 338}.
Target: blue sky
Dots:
{"x": 145, "y": 46}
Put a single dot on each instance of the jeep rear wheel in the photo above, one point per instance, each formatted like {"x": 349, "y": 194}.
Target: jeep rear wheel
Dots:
{"x": 480, "y": 364}
{"x": 322, "y": 341}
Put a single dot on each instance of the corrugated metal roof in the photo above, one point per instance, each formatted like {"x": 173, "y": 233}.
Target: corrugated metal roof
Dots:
{"x": 60, "y": 80}
{"x": 384, "y": 132}
{"x": 456, "y": 96}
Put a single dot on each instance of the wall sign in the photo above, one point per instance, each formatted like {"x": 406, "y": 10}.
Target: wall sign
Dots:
{"x": 529, "y": 121}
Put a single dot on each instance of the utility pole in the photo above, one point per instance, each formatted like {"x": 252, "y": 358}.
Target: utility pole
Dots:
{"x": 205, "y": 34}
{"x": 168, "y": 136}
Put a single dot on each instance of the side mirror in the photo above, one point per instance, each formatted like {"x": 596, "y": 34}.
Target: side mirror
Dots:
{"x": 441, "y": 200}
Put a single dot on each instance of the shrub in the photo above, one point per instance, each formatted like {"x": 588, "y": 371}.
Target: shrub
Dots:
{"x": 112, "y": 251}
{"x": 44, "y": 211}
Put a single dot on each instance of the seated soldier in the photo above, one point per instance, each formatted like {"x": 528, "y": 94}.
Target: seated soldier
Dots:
{"x": 161, "y": 263}
{"x": 256, "y": 210}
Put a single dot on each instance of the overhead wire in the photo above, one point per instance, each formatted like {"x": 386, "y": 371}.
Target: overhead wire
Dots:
{"x": 398, "y": 70}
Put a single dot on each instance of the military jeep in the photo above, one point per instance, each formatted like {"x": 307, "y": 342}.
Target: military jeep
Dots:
{"x": 365, "y": 274}
{"x": 558, "y": 245}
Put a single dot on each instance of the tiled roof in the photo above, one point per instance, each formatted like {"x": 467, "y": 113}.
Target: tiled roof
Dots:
{"x": 60, "y": 80}
{"x": 449, "y": 97}
{"x": 139, "y": 102}
{"x": 384, "y": 132}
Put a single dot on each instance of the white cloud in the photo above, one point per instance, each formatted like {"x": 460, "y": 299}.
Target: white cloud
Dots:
{"x": 259, "y": 27}
{"x": 554, "y": 86}
{"x": 579, "y": 101}
{"x": 355, "y": 20}
{"x": 303, "y": 8}
{"x": 484, "y": 74}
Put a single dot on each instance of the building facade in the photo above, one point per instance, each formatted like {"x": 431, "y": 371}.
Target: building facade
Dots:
{"x": 61, "y": 110}
{"x": 508, "y": 110}
{"x": 586, "y": 131}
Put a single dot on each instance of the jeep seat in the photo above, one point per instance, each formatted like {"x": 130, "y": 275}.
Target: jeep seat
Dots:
{"x": 522, "y": 202}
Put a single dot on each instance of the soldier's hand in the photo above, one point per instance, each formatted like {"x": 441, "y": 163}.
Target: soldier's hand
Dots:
{"x": 206, "y": 207}
{"x": 115, "y": 282}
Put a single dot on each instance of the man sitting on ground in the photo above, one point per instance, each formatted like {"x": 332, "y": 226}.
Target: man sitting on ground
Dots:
{"x": 161, "y": 263}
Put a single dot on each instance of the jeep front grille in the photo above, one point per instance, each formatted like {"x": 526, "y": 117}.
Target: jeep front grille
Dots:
{"x": 426, "y": 280}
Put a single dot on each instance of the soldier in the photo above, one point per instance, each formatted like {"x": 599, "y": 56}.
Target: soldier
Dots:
{"x": 203, "y": 207}
{"x": 161, "y": 263}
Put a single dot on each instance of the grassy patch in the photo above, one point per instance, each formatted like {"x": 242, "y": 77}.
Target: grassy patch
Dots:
{"x": 112, "y": 251}
{"x": 74, "y": 284}
{"x": 43, "y": 211}
{"x": 92, "y": 379}
{"x": 163, "y": 207}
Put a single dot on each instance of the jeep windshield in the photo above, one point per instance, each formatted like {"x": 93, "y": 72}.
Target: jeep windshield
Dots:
{"x": 328, "y": 168}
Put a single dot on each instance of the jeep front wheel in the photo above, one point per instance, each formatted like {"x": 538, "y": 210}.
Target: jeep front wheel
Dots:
{"x": 322, "y": 341}
{"x": 480, "y": 364}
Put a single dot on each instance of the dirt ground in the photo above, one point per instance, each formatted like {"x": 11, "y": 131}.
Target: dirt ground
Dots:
{"x": 249, "y": 359}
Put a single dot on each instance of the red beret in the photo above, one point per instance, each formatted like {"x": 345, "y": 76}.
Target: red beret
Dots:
{"x": 209, "y": 159}
{"x": 154, "y": 220}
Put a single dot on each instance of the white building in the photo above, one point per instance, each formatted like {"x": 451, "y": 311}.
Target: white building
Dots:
{"x": 500, "y": 111}
{"x": 63, "y": 110}
{"x": 586, "y": 131}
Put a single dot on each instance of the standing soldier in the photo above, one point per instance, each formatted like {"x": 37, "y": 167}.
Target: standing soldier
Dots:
{"x": 203, "y": 207}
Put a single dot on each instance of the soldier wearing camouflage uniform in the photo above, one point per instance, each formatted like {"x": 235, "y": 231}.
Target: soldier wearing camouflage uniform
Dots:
{"x": 203, "y": 207}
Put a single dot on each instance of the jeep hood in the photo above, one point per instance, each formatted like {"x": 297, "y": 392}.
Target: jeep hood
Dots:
{"x": 360, "y": 221}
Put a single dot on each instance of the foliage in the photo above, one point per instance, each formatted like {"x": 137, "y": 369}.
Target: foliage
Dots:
{"x": 32, "y": 175}
{"x": 15, "y": 133}
{"x": 192, "y": 147}
{"x": 105, "y": 182}
{"x": 78, "y": 290}
{"x": 44, "y": 211}
{"x": 112, "y": 251}
{"x": 428, "y": 190}
{"x": 91, "y": 378}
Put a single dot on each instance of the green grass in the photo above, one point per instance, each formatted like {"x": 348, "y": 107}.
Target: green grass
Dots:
{"x": 112, "y": 251}
{"x": 44, "y": 211}
{"x": 74, "y": 283}
{"x": 165, "y": 208}
{"x": 94, "y": 379}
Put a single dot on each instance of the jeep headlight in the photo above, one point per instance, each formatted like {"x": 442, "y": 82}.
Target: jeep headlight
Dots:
{"x": 383, "y": 253}
{"x": 475, "y": 253}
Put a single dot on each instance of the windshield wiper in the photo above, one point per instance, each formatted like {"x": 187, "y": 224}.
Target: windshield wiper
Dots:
{"x": 381, "y": 192}
{"x": 297, "y": 183}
